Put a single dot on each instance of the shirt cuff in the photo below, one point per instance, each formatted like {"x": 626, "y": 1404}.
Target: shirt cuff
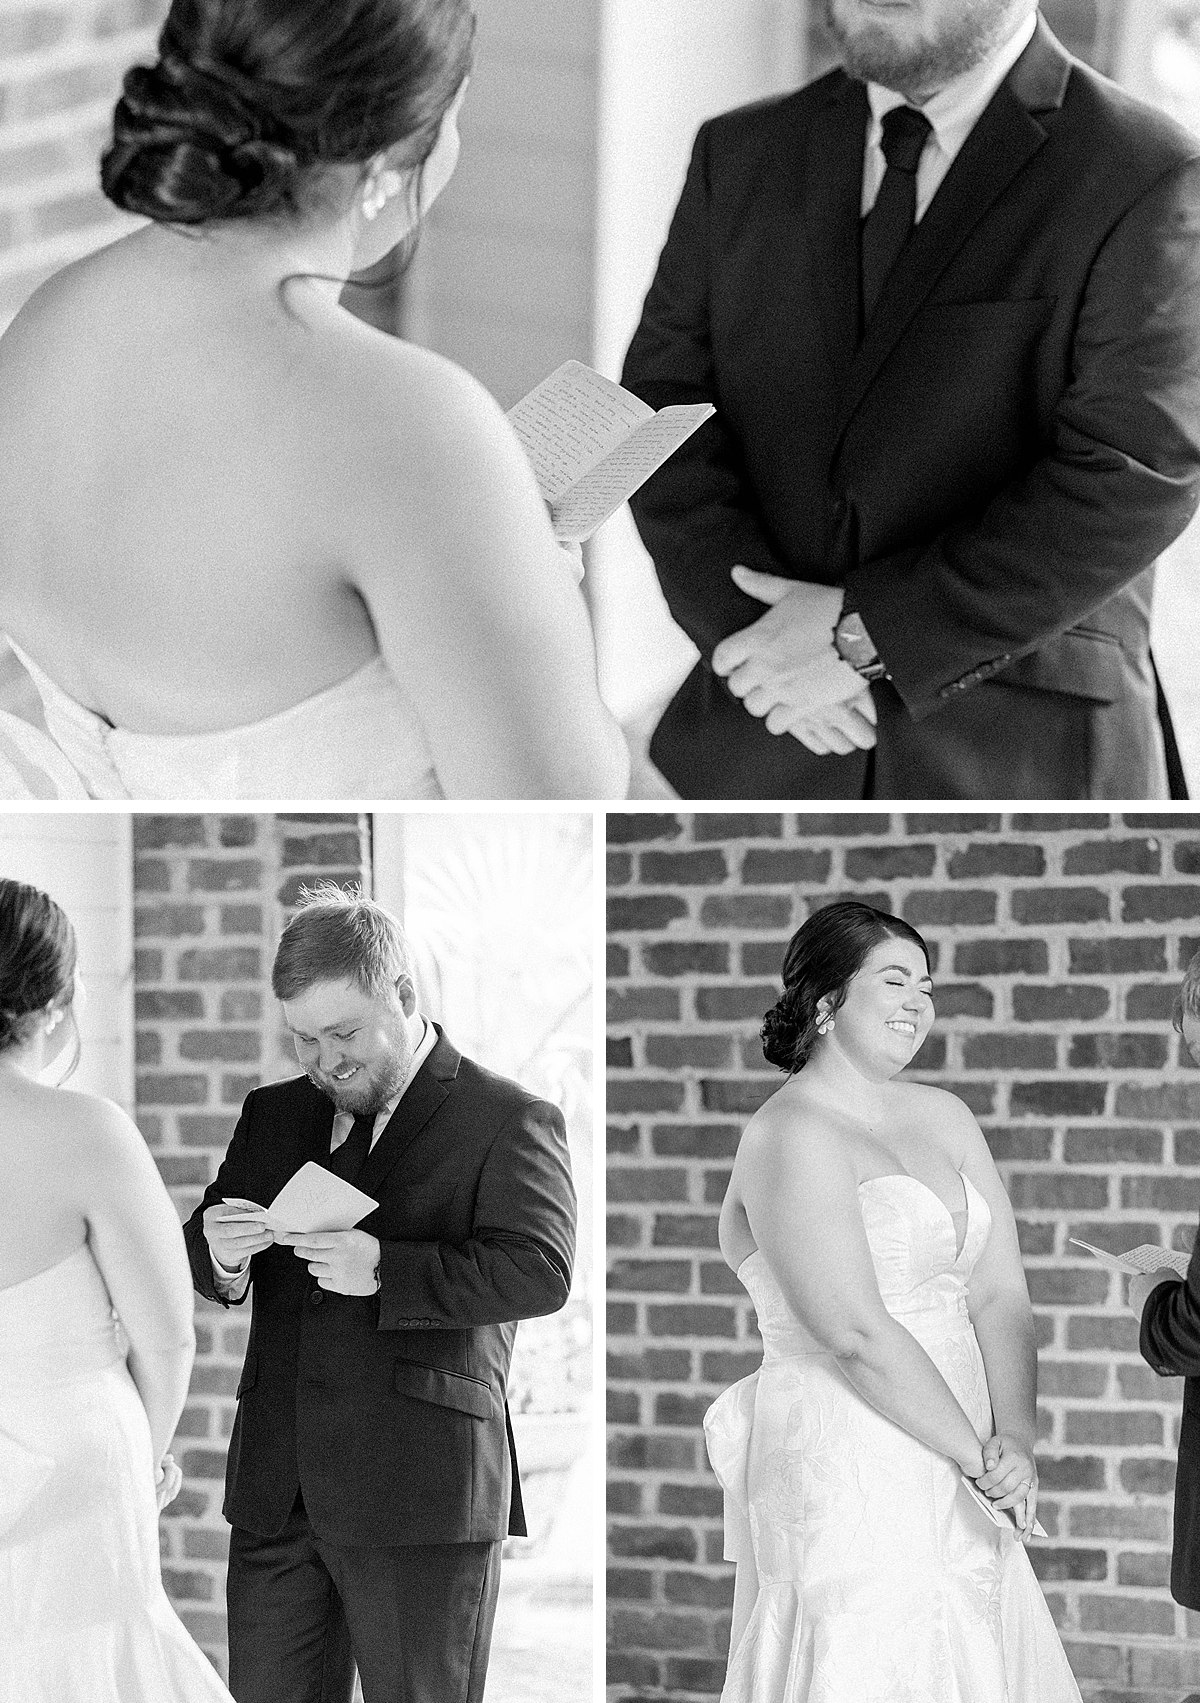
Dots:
{"x": 231, "y": 1284}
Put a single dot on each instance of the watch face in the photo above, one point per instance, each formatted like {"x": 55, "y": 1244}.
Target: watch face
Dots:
{"x": 854, "y": 646}
{"x": 852, "y": 641}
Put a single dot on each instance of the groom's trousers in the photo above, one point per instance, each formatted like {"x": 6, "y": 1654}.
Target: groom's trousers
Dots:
{"x": 416, "y": 1620}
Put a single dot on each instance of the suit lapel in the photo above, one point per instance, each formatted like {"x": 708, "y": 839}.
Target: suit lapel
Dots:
{"x": 1003, "y": 141}
{"x": 832, "y": 202}
{"x": 423, "y": 1097}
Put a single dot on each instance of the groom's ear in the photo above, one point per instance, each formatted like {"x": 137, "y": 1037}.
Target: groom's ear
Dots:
{"x": 406, "y": 993}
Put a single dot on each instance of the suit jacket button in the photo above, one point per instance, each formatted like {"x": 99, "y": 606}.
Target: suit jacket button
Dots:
{"x": 317, "y": 1296}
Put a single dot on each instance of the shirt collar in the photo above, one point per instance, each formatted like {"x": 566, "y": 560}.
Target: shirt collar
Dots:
{"x": 955, "y": 109}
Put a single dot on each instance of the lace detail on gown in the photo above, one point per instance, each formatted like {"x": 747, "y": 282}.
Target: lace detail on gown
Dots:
{"x": 360, "y": 738}
{"x": 83, "y": 1614}
{"x": 874, "y": 1577}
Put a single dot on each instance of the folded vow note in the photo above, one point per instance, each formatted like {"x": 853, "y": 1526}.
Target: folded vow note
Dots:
{"x": 1145, "y": 1257}
{"x": 999, "y": 1516}
{"x": 314, "y": 1199}
{"x": 591, "y": 444}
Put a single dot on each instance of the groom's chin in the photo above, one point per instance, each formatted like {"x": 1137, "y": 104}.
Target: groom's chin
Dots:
{"x": 352, "y": 1098}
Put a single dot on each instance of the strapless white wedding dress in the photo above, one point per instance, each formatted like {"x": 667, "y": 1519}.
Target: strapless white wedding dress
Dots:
{"x": 879, "y": 1579}
{"x": 83, "y": 1614}
{"x": 358, "y": 739}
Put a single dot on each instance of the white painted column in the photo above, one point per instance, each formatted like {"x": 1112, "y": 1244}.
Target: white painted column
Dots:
{"x": 84, "y": 860}
{"x": 664, "y": 66}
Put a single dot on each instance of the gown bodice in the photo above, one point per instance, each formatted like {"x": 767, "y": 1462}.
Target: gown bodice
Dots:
{"x": 57, "y": 1325}
{"x": 359, "y": 738}
{"x": 921, "y": 1270}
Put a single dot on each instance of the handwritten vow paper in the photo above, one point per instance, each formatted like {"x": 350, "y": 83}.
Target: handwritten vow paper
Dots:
{"x": 1145, "y": 1257}
{"x": 591, "y": 444}
{"x": 314, "y": 1199}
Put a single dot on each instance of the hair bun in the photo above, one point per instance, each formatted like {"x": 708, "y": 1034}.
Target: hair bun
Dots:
{"x": 190, "y": 144}
{"x": 788, "y": 1029}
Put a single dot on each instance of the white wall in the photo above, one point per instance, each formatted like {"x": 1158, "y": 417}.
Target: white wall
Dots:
{"x": 84, "y": 861}
{"x": 664, "y": 66}
{"x": 502, "y": 282}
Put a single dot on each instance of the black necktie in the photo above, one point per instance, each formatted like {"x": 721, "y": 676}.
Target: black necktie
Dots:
{"x": 348, "y": 1160}
{"x": 888, "y": 226}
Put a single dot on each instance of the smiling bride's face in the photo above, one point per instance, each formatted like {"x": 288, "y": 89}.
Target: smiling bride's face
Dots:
{"x": 887, "y": 1011}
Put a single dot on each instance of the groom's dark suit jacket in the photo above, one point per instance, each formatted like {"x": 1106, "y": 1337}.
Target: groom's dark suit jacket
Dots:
{"x": 1170, "y": 1343}
{"x": 990, "y": 472}
{"x": 390, "y": 1410}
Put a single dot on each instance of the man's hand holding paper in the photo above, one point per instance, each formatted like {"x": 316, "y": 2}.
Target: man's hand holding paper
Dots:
{"x": 345, "y": 1261}
{"x": 312, "y": 1202}
{"x": 233, "y": 1235}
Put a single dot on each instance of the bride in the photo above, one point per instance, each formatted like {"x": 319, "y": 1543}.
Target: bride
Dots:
{"x": 88, "y": 1235}
{"x": 253, "y": 547}
{"x": 868, "y": 1223}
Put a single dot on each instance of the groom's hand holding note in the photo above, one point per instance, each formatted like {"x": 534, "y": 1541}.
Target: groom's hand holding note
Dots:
{"x": 346, "y": 1261}
{"x": 233, "y": 1236}
{"x": 312, "y": 1202}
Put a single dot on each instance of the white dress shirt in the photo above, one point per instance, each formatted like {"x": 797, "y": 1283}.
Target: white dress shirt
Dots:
{"x": 233, "y": 1283}
{"x": 953, "y": 112}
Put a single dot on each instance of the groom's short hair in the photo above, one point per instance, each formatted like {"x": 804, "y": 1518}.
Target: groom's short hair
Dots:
{"x": 1187, "y": 1000}
{"x": 339, "y": 934}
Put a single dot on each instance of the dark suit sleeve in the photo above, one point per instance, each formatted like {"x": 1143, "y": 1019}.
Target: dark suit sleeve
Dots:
{"x": 516, "y": 1264}
{"x": 226, "y": 1182}
{"x": 1170, "y": 1333}
{"x": 697, "y": 515}
{"x": 1118, "y": 482}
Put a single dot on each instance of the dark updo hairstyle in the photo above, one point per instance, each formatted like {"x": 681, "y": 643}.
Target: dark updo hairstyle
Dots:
{"x": 249, "y": 98}
{"x": 823, "y": 957}
{"x": 37, "y": 960}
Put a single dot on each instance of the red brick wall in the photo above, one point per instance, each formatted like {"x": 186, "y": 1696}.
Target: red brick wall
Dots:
{"x": 1059, "y": 942}
{"x": 210, "y": 897}
{"x": 61, "y": 64}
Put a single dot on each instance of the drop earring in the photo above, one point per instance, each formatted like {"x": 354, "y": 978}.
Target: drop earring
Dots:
{"x": 826, "y": 1024}
{"x": 381, "y": 187}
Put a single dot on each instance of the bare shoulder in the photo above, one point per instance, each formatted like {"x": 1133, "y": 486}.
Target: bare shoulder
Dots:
{"x": 792, "y": 1134}
{"x": 407, "y": 398}
{"x": 941, "y": 1115}
{"x": 103, "y": 1141}
{"x": 69, "y": 295}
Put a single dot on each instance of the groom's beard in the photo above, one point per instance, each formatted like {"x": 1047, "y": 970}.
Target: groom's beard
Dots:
{"x": 367, "y": 1091}
{"x": 875, "y": 53}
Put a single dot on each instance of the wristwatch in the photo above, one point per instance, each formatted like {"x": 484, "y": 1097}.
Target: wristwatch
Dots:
{"x": 854, "y": 645}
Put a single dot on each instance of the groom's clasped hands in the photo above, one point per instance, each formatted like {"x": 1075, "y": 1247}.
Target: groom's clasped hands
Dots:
{"x": 785, "y": 668}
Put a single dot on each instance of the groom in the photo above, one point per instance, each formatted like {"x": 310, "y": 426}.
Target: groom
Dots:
{"x": 946, "y": 301}
{"x": 372, "y": 1475}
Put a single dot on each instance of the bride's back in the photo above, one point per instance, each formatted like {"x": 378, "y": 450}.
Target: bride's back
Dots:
{"x": 223, "y": 494}
{"x": 177, "y": 473}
